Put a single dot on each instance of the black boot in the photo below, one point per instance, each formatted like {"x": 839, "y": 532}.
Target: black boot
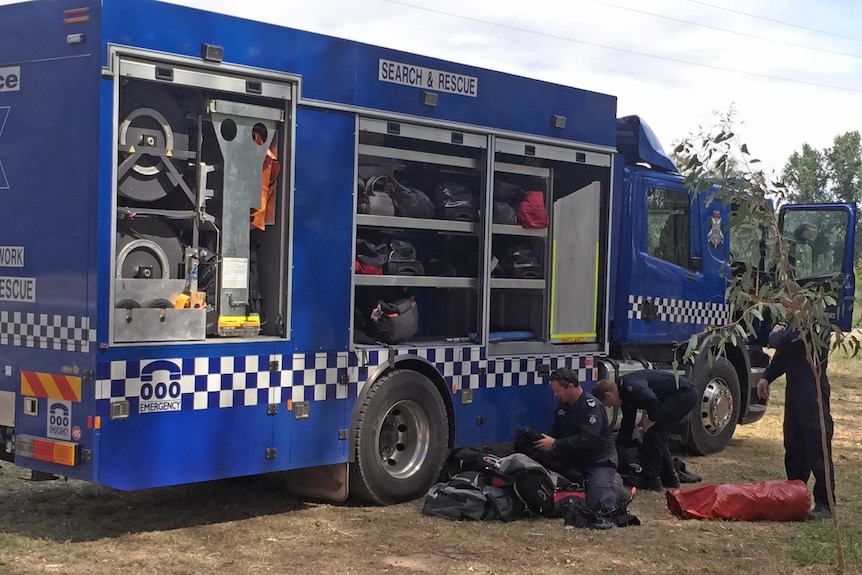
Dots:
{"x": 587, "y": 519}
{"x": 670, "y": 480}
{"x": 648, "y": 483}
{"x": 820, "y": 511}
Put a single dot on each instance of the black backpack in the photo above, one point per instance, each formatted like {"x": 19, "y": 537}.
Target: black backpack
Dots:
{"x": 455, "y": 202}
{"x": 470, "y": 496}
{"x": 532, "y": 483}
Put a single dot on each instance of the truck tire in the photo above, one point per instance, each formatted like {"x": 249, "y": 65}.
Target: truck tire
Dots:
{"x": 714, "y": 418}
{"x": 402, "y": 434}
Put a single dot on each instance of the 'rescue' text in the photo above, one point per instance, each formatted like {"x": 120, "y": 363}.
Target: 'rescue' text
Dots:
{"x": 419, "y": 77}
{"x": 18, "y": 289}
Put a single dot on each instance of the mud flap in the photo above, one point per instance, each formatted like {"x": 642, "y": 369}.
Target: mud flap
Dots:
{"x": 327, "y": 482}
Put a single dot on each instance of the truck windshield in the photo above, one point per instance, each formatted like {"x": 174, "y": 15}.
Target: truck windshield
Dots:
{"x": 816, "y": 241}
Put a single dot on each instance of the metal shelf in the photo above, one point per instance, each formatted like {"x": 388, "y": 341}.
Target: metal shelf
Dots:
{"x": 416, "y": 224}
{"x": 536, "y": 171}
{"x": 515, "y": 230}
{"x": 427, "y": 157}
{"x": 511, "y": 283}
{"x": 414, "y": 281}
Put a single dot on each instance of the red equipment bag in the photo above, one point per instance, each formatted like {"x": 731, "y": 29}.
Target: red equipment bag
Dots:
{"x": 531, "y": 213}
{"x": 761, "y": 501}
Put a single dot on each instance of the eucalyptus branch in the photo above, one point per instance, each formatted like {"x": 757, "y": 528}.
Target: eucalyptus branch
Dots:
{"x": 717, "y": 163}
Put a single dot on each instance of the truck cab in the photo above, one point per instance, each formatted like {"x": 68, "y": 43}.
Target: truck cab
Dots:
{"x": 672, "y": 264}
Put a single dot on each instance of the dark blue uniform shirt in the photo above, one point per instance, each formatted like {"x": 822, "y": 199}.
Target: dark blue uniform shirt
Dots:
{"x": 582, "y": 433}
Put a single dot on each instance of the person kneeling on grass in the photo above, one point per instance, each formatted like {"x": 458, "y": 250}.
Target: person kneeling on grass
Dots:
{"x": 580, "y": 441}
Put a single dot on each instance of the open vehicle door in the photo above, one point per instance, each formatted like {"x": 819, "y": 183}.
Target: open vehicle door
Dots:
{"x": 820, "y": 240}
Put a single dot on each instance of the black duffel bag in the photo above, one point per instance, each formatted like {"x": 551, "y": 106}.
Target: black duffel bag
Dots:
{"x": 394, "y": 322}
{"x": 455, "y": 202}
{"x": 402, "y": 260}
{"x": 409, "y": 202}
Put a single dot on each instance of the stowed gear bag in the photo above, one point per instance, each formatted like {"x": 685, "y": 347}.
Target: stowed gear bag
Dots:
{"x": 370, "y": 257}
{"x": 520, "y": 262}
{"x": 508, "y": 193}
{"x": 455, "y": 202}
{"x": 402, "y": 260}
{"x": 504, "y": 213}
{"x": 531, "y": 212}
{"x": 469, "y": 495}
{"x": 373, "y": 197}
{"x": 409, "y": 202}
{"x": 394, "y": 322}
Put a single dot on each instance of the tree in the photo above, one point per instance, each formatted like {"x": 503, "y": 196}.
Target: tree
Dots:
{"x": 831, "y": 175}
{"x": 844, "y": 165}
{"x": 806, "y": 177}
{"x": 752, "y": 293}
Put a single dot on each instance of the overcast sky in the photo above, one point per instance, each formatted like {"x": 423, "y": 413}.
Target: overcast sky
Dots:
{"x": 792, "y": 68}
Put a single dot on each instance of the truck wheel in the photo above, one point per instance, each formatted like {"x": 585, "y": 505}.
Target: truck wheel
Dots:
{"x": 402, "y": 435}
{"x": 714, "y": 418}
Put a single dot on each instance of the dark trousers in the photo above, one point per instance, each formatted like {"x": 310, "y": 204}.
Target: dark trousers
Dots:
{"x": 803, "y": 452}
{"x": 655, "y": 449}
{"x": 598, "y": 481}
{"x": 600, "y": 491}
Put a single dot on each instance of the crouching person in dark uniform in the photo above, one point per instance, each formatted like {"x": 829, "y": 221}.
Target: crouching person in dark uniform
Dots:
{"x": 580, "y": 440}
{"x": 665, "y": 399}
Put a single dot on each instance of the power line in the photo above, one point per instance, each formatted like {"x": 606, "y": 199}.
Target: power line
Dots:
{"x": 605, "y": 46}
{"x": 726, "y": 30}
{"x": 764, "y": 18}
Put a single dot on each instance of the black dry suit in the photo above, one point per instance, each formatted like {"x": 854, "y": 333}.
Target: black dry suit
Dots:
{"x": 666, "y": 399}
{"x": 803, "y": 451}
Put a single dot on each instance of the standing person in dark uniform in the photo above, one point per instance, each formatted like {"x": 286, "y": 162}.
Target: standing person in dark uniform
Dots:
{"x": 666, "y": 399}
{"x": 803, "y": 450}
{"x": 581, "y": 439}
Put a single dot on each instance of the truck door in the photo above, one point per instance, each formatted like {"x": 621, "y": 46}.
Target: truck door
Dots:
{"x": 819, "y": 240}
{"x": 676, "y": 286}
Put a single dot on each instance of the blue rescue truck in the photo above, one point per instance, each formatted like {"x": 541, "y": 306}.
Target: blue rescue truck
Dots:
{"x": 229, "y": 248}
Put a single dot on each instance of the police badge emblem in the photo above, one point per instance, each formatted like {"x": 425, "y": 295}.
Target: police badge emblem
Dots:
{"x": 592, "y": 419}
{"x": 715, "y": 235}
{"x": 591, "y": 402}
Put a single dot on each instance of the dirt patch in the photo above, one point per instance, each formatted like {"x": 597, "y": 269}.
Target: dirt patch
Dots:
{"x": 252, "y": 526}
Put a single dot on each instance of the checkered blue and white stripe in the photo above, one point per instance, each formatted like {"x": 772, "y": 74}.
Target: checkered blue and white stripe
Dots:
{"x": 679, "y": 310}
{"x": 233, "y": 381}
{"x": 46, "y": 331}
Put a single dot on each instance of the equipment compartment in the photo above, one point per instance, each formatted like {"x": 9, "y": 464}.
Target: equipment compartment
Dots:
{"x": 420, "y": 192}
{"x": 199, "y": 202}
